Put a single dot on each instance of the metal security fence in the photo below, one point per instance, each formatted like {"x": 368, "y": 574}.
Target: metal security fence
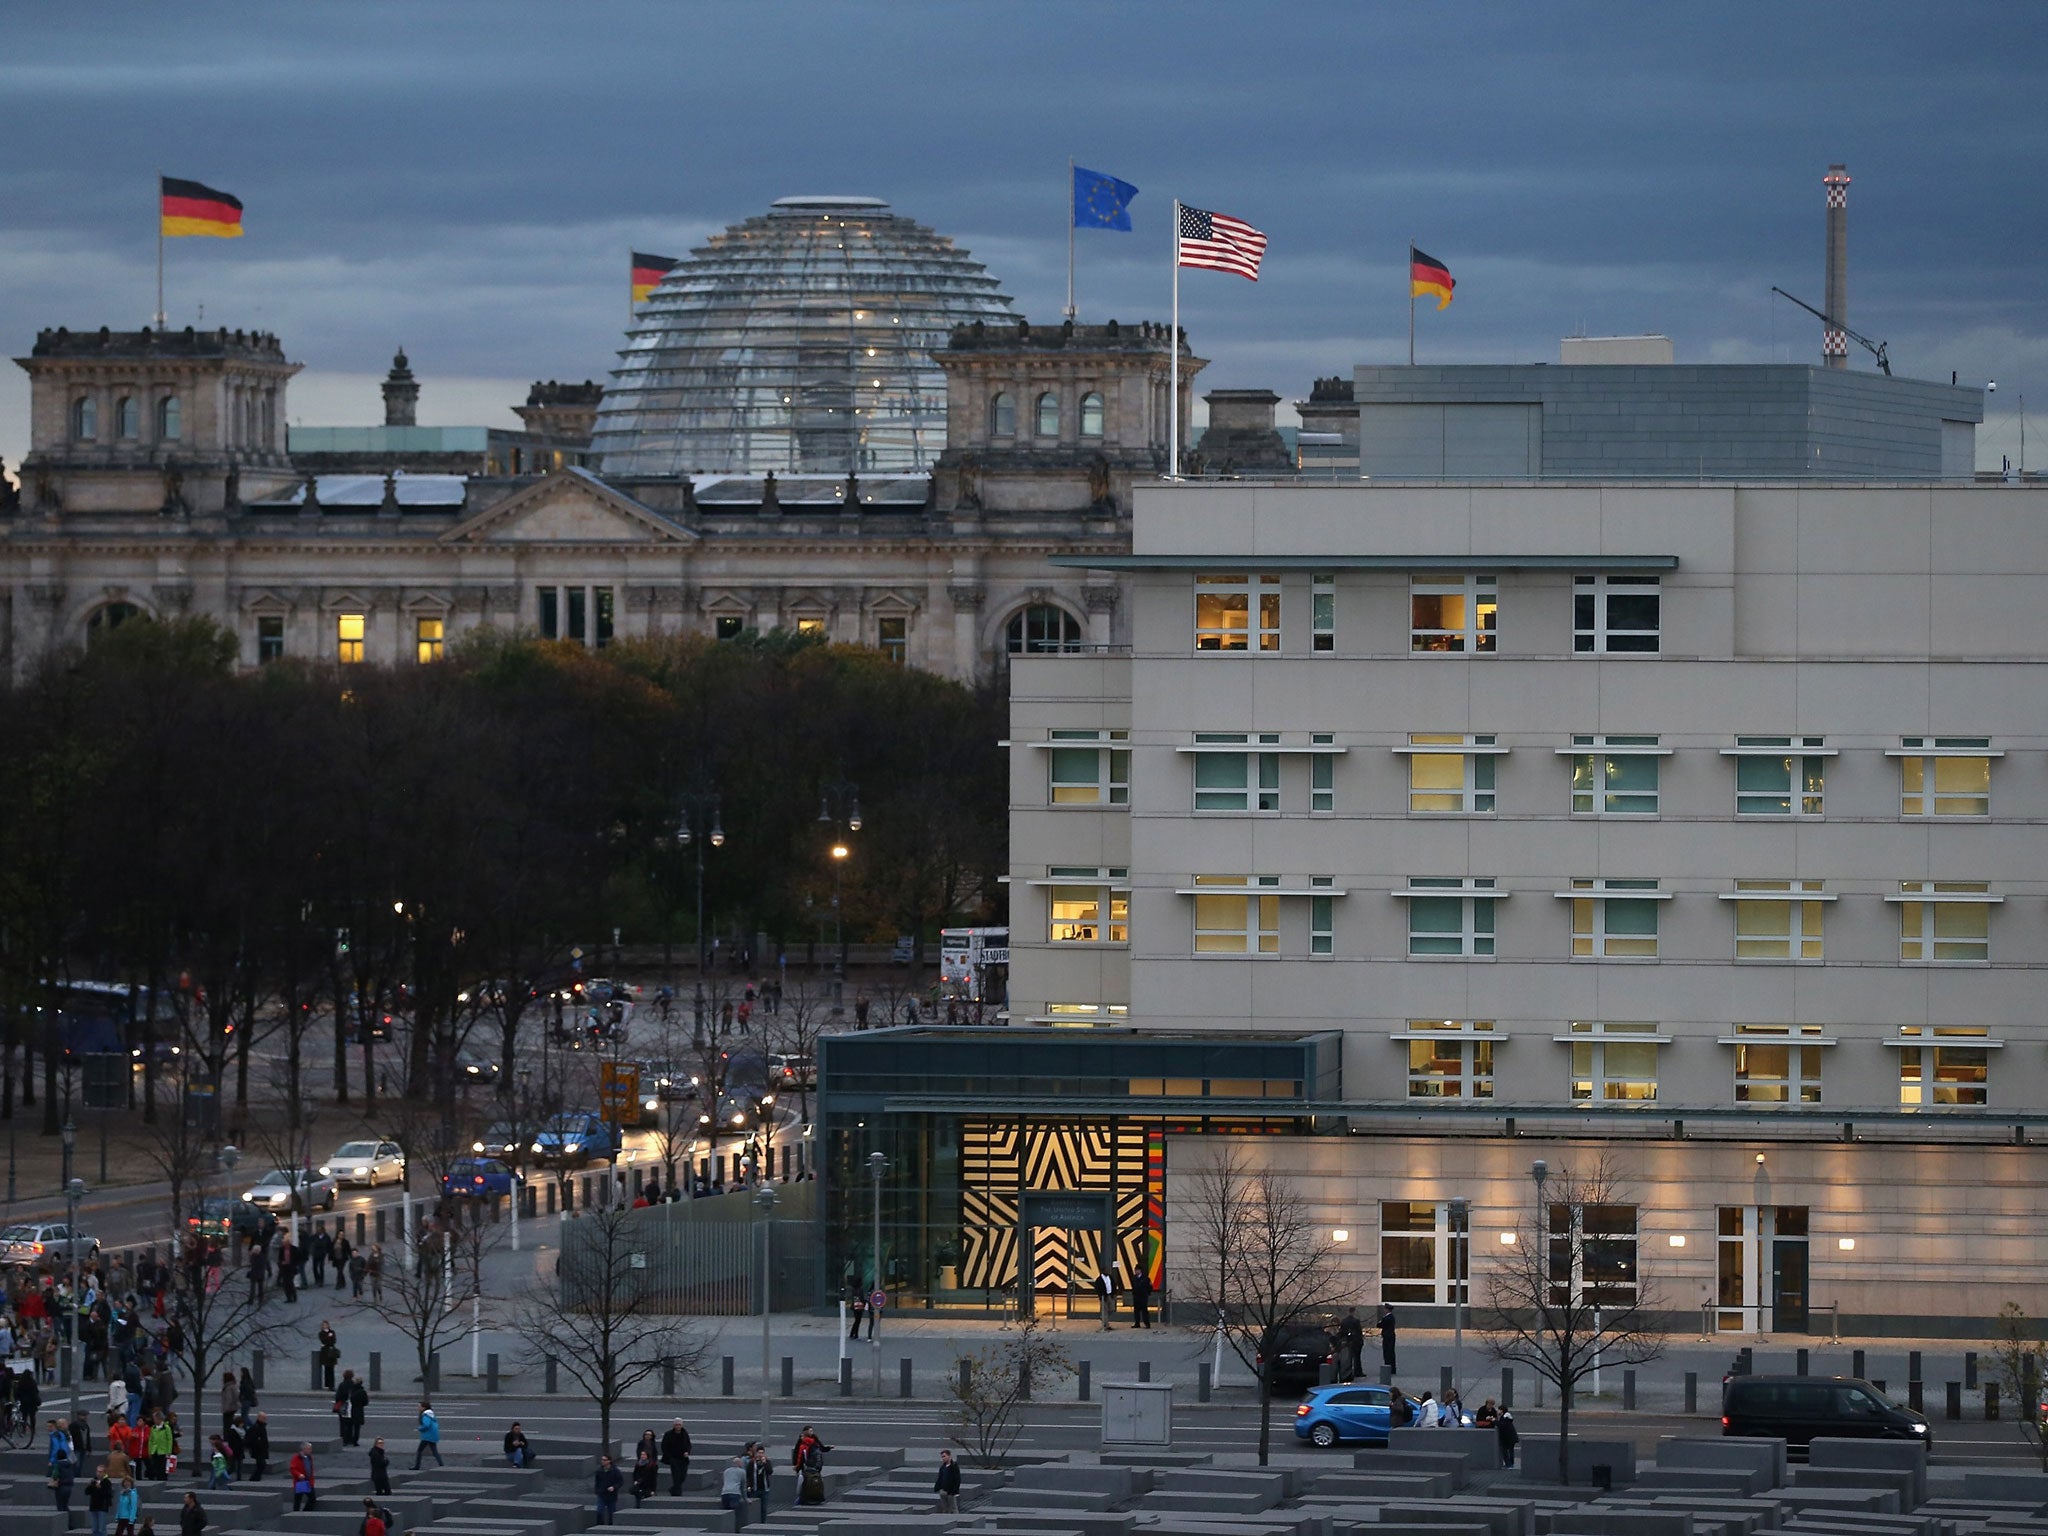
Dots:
{"x": 699, "y": 1257}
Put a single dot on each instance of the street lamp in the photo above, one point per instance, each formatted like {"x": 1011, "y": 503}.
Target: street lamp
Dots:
{"x": 70, "y": 1137}
{"x": 700, "y": 811}
{"x": 764, "y": 1197}
{"x": 877, "y": 1166}
{"x": 839, "y": 803}
{"x": 74, "y": 1191}
{"x": 1461, "y": 1280}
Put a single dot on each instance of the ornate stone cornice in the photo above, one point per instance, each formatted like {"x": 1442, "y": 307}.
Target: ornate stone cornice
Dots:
{"x": 1100, "y": 598}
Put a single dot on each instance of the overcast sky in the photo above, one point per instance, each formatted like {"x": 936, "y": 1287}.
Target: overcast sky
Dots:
{"x": 467, "y": 179}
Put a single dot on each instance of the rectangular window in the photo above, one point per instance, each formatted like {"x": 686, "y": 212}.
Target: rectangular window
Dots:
{"x": 550, "y": 613}
{"x": 1772, "y": 1067}
{"x": 1770, "y": 784}
{"x": 348, "y": 637}
{"x": 1609, "y": 1067}
{"x": 1452, "y": 613}
{"x": 578, "y": 627}
{"x": 1322, "y": 918}
{"x": 1956, "y": 784}
{"x": 1457, "y": 923}
{"x": 1325, "y": 611}
{"x": 1946, "y": 1072}
{"x": 727, "y": 626}
{"x": 1091, "y": 774}
{"x": 1614, "y": 775}
{"x": 1237, "y": 613}
{"x": 1944, "y": 920}
{"x": 1236, "y": 781}
{"x": 1322, "y": 775}
{"x": 606, "y": 612}
{"x": 269, "y": 638}
{"x": 1089, "y": 914}
{"x": 893, "y": 636}
{"x": 1592, "y": 1255}
{"x": 1425, "y": 1253}
{"x": 813, "y": 627}
{"x": 1450, "y": 1063}
{"x": 1615, "y": 615}
{"x": 1450, "y": 775}
{"x": 427, "y": 638}
{"x": 1610, "y": 923}
{"x": 1772, "y": 923}
{"x": 1233, "y": 919}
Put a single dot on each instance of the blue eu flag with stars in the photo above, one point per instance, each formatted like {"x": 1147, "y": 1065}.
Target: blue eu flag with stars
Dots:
{"x": 1101, "y": 202}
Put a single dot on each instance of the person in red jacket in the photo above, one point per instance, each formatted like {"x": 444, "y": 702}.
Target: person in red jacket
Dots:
{"x": 305, "y": 1486}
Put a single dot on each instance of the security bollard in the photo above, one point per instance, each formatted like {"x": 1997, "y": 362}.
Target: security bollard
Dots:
{"x": 551, "y": 1199}
{"x": 1024, "y": 1381}
{"x": 903, "y": 1371}
{"x": 1856, "y": 1365}
{"x": 1204, "y": 1385}
{"x": 668, "y": 1378}
{"x": 846, "y": 1376}
{"x": 789, "y": 1376}
{"x": 1913, "y": 1365}
{"x": 1443, "y": 1383}
{"x": 1628, "y": 1390}
{"x": 725, "y": 1376}
{"x": 1692, "y": 1391}
{"x": 1144, "y": 1370}
{"x": 966, "y": 1376}
{"x": 491, "y": 1372}
{"x": 1970, "y": 1370}
{"x": 64, "y": 1369}
{"x": 1745, "y": 1361}
{"x": 1954, "y": 1406}
{"x": 552, "y": 1383}
{"x": 313, "y": 1379}
{"x": 362, "y": 1226}
{"x": 1990, "y": 1400}
{"x": 256, "y": 1368}
{"x": 1082, "y": 1378}
{"x": 1507, "y": 1386}
{"x": 1914, "y": 1395}
{"x": 382, "y": 1214}
{"x": 1804, "y": 1359}
{"x": 376, "y": 1370}
{"x": 433, "y": 1373}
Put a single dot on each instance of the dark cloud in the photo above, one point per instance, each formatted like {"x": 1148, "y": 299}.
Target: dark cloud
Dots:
{"x": 467, "y": 178}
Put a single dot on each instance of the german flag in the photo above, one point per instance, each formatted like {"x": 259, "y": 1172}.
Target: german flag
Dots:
{"x": 192, "y": 209}
{"x": 1427, "y": 275}
{"x": 648, "y": 271}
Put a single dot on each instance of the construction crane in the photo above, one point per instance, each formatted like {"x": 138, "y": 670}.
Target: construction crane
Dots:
{"x": 1875, "y": 348}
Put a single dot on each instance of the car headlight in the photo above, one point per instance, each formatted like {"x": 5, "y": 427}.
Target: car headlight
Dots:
{"x": 650, "y": 1104}
{"x": 326, "y": 1171}
{"x": 1919, "y": 1429}
{"x": 572, "y": 1146}
{"x": 536, "y": 1147}
{"x": 359, "y": 1173}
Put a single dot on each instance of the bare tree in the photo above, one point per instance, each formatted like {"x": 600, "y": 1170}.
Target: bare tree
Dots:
{"x": 2016, "y": 1358}
{"x": 803, "y": 1012}
{"x": 1571, "y": 1297}
{"x": 991, "y": 1396}
{"x": 433, "y": 1291}
{"x": 599, "y": 1319}
{"x": 1258, "y": 1262}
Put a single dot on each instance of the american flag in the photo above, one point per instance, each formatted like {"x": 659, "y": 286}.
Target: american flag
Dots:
{"x": 1219, "y": 242}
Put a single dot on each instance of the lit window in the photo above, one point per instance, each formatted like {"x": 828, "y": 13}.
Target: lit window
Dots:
{"x": 1322, "y": 775}
{"x": 1091, "y": 415}
{"x": 727, "y": 626}
{"x": 1048, "y": 415}
{"x": 1090, "y": 913}
{"x": 1322, "y": 917}
{"x": 1944, "y": 920}
{"x": 1611, "y": 921}
{"x": 1424, "y": 1256}
{"x": 127, "y": 418}
{"x": 1324, "y": 609}
{"x": 1779, "y": 775}
{"x": 1451, "y": 774}
{"x": 1614, "y": 775}
{"x": 893, "y": 636}
{"x": 1225, "y": 608}
{"x": 1090, "y": 774}
{"x": 1945, "y": 776}
{"x": 1002, "y": 416}
{"x": 1952, "y": 1067}
{"x": 1592, "y": 1255}
{"x": 85, "y": 418}
{"x": 1772, "y": 922}
{"x": 1458, "y": 922}
{"x": 170, "y": 419}
{"x": 1610, "y": 1067}
{"x": 1452, "y": 613}
{"x": 269, "y": 638}
{"x": 348, "y": 637}
{"x": 1449, "y": 1063}
{"x": 1236, "y": 781}
{"x": 1042, "y": 629}
{"x": 1232, "y": 919}
{"x": 1616, "y": 614}
{"x": 812, "y": 627}
{"x": 428, "y": 638}
{"x": 1773, "y": 1067}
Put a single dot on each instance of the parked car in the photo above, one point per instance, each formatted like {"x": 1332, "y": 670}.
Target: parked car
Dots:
{"x": 365, "y": 1162}
{"x": 500, "y": 1141}
{"x": 1330, "y": 1414}
{"x": 275, "y": 1190}
{"x": 478, "y": 1176}
{"x": 32, "y": 1242}
{"x": 793, "y": 1071}
{"x": 575, "y": 1137}
{"x": 1798, "y": 1408}
{"x": 219, "y": 1217}
{"x": 1299, "y": 1356}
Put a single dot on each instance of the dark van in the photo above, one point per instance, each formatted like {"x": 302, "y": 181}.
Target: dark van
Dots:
{"x": 1796, "y": 1409}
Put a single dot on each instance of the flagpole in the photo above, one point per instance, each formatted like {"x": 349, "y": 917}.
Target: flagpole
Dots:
{"x": 1070, "y": 237}
{"x": 159, "y": 249}
{"x": 1173, "y": 350}
{"x": 1411, "y": 303}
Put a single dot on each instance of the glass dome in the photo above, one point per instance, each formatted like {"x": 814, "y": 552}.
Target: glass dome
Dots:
{"x": 799, "y": 341}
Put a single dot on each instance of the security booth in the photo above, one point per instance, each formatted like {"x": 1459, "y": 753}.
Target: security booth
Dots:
{"x": 1016, "y": 1161}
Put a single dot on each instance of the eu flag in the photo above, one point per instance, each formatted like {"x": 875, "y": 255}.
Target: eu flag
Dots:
{"x": 1101, "y": 202}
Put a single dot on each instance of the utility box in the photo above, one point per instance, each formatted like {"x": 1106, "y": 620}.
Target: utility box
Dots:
{"x": 1137, "y": 1413}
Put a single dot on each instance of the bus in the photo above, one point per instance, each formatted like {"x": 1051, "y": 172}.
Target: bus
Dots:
{"x": 974, "y": 964}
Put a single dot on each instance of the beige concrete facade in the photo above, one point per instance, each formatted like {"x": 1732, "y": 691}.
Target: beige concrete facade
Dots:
{"x": 1872, "y": 1029}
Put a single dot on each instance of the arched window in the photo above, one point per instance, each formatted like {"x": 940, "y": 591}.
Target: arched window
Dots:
{"x": 1048, "y": 414}
{"x": 1041, "y": 629}
{"x": 107, "y": 617}
{"x": 127, "y": 417}
{"x": 85, "y": 418}
{"x": 1091, "y": 415}
{"x": 1002, "y": 416}
{"x": 170, "y": 419}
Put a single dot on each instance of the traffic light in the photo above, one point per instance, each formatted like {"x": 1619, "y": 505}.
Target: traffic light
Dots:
{"x": 341, "y": 943}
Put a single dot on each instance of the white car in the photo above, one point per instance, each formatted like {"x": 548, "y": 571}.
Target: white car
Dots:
{"x": 273, "y": 1192}
{"x": 33, "y": 1242}
{"x": 365, "y": 1162}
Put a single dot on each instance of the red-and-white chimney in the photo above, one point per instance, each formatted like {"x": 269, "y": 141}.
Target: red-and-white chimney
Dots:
{"x": 1834, "y": 346}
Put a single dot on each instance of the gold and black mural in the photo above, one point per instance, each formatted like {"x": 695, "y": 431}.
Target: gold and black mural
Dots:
{"x": 1002, "y": 1160}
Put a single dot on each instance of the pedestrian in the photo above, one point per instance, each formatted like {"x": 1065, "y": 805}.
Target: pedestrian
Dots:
{"x": 230, "y": 1399}
{"x": 117, "y": 1398}
{"x": 343, "y": 1252}
{"x": 1451, "y": 1411}
{"x": 646, "y": 1473}
{"x": 288, "y": 1270}
{"x": 259, "y": 1272}
{"x": 763, "y": 1471}
{"x": 516, "y": 1452}
{"x": 330, "y": 1353}
{"x": 1487, "y": 1416}
{"x": 99, "y": 1501}
{"x": 192, "y": 1517}
{"x": 1387, "y": 1326}
{"x": 59, "y": 1446}
{"x": 1505, "y": 1435}
{"x": 809, "y": 1460}
{"x": 732, "y": 1485}
{"x": 259, "y": 1447}
{"x": 305, "y": 1482}
{"x": 373, "y": 1520}
{"x": 675, "y": 1455}
{"x": 1400, "y": 1410}
{"x": 320, "y": 1250}
{"x": 237, "y": 1444}
{"x": 1105, "y": 1291}
{"x": 947, "y": 1484}
{"x": 1350, "y": 1345}
{"x": 647, "y": 1445}
{"x": 608, "y": 1482}
{"x": 857, "y": 1310}
{"x": 376, "y": 1272}
{"x": 380, "y": 1467}
{"x": 1427, "y": 1411}
{"x": 358, "y": 1266}
{"x": 1141, "y": 1296}
{"x": 245, "y": 1388}
{"x": 430, "y": 1437}
{"x": 127, "y": 1505}
{"x": 351, "y": 1406}
{"x": 163, "y": 1444}
{"x": 60, "y": 1480}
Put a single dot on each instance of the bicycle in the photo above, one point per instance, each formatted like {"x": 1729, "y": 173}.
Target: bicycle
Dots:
{"x": 17, "y": 1430}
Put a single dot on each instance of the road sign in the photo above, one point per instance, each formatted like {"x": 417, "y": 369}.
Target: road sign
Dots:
{"x": 877, "y": 1300}
{"x": 618, "y": 1091}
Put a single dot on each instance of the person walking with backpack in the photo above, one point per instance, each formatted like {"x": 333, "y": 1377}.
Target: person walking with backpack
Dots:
{"x": 430, "y": 1437}
{"x": 374, "y": 1523}
{"x": 808, "y": 1458}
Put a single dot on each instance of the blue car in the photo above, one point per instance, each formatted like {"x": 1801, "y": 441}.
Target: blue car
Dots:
{"x": 1330, "y": 1414}
{"x": 478, "y": 1176}
{"x": 575, "y": 1138}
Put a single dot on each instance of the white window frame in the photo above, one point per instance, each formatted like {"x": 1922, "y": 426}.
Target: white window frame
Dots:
{"x": 1480, "y": 595}
{"x": 1323, "y": 611}
{"x": 1260, "y": 631}
{"x": 1923, "y": 757}
{"x": 1925, "y": 1052}
{"x": 1594, "y": 635}
{"x": 1259, "y": 756}
{"x": 1805, "y": 763}
{"x": 1474, "y": 1041}
{"x": 1603, "y": 1080}
{"x": 1322, "y": 914}
{"x": 1592, "y": 902}
{"x": 1805, "y": 930}
{"x": 1450, "y": 1248}
{"x": 1477, "y": 794}
{"x": 1474, "y": 935}
{"x": 1322, "y": 774}
{"x": 1109, "y": 895}
{"x": 1111, "y": 780}
{"x": 1921, "y": 936}
{"x": 1595, "y": 755}
{"x": 1800, "y": 1083}
{"x": 1257, "y": 929}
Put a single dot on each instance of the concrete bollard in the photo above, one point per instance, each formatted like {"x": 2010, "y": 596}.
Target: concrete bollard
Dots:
{"x": 491, "y": 1372}
{"x": 313, "y": 1377}
{"x": 1443, "y": 1382}
{"x": 1914, "y": 1394}
{"x": 1628, "y": 1390}
{"x": 1507, "y": 1386}
{"x": 1954, "y": 1406}
{"x": 668, "y": 1378}
{"x": 1692, "y": 1391}
{"x": 376, "y": 1370}
{"x": 362, "y": 1226}
{"x": 1204, "y": 1385}
{"x": 1081, "y": 1378}
{"x": 1990, "y": 1400}
{"x": 1144, "y": 1370}
{"x": 846, "y": 1376}
{"x": 1913, "y": 1365}
{"x": 1745, "y": 1361}
{"x": 1970, "y": 1370}
{"x": 966, "y": 1376}
{"x": 903, "y": 1372}
{"x": 725, "y": 1376}
{"x": 551, "y": 1199}
{"x": 1024, "y": 1380}
{"x": 434, "y": 1373}
{"x": 1803, "y": 1362}
{"x": 789, "y": 1376}
{"x": 256, "y": 1368}
{"x": 552, "y": 1382}
{"x": 64, "y": 1368}
{"x": 1856, "y": 1365}
{"x": 382, "y": 1215}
